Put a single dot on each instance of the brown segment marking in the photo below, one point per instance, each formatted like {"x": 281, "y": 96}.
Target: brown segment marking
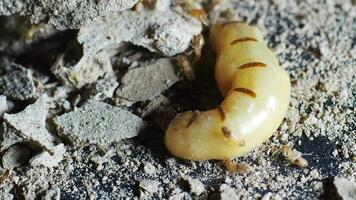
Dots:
{"x": 252, "y": 64}
{"x": 246, "y": 91}
{"x": 227, "y": 132}
{"x": 231, "y": 22}
{"x": 222, "y": 113}
{"x": 194, "y": 116}
{"x": 245, "y": 39}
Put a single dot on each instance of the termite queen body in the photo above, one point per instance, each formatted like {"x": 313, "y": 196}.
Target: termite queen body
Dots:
{"x": 256, "y": 91}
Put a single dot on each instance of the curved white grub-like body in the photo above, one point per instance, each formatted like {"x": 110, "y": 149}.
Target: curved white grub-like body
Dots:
{"x": 256, "y": 91}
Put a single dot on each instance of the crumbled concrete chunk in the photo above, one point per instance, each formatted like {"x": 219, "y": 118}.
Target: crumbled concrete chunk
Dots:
{"x": 98, "y": 123}
{"x": 180, "y": 196}
{"x": 345, "y": 189}
{"x": 3, "y": 105}
{"x": 5, "y": 192}
{"x": 168, "y": 35}
{"x": 149, "y": 168}
{"x": 86, "y": 71}
{"x": 151, "y": 186}
{"x": 148, "y": 80}
{"x": 8, "y": 137}
{"x": 102, "y": 89}
{"x": 19, "y": 84}
{"x": 29, "y": 126}
{"x": 16, "y": 156}
{"x": 52, "y": 194}
{"x": 227, "y": 193}
{"x": 64, "y": 14}
{"x": 48, "y": 160}
{"x": 196, "y": 187}
{"x": 154, "y": 105}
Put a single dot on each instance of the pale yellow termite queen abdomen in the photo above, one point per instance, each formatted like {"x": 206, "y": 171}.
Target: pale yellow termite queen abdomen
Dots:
{"x": 256, "y": 91}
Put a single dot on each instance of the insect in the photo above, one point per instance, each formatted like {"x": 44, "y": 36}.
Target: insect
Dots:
{"x": 256, "y": 91}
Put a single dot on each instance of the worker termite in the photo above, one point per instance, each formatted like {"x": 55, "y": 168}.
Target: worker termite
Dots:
{"x": 256, "y": 91}
{"x": 293, "y": 156}
{"x": 183, "y": 61}
{"x": 187, "y": 68}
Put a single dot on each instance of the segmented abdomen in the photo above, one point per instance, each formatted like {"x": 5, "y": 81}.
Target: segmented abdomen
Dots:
{"x": 256, "y": 91}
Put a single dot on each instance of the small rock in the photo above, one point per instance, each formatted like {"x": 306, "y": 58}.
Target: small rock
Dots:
{"x": 28, "y": 126}
{"x": 154, "y": 105}
{"x": 86, "y": 71}
{"x": 19, "y": 84}
{"x": 98, "y": 123}
{"x": 3, "y": 105}
{"x": 168, "y": 35}
{"x": 196, "y": 187}
{"x": 52, "y": 194}
{"x": 149, "y": 168}
{"x": 345, "y": 189}
{"x": 48, "y": 160}
{"x": 17, "y": 155}
{"x": 179, "y": 196}
{"x": 148, "y": 80}
{"x": 102, "y": 89}
{"x": 227, "y": 193}
{"x": 66, "y": 14}
{"x": 314, "y": 173}
{"x": 150, "y": 186}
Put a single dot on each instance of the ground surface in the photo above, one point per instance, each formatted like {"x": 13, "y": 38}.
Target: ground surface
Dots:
{"x": 315, "y": 42}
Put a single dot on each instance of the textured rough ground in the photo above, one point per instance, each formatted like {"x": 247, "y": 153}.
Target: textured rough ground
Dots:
{"x": 64, "y": 14}
{"x": 315, "y": 42}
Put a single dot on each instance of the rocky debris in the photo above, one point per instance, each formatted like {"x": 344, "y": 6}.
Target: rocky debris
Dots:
{"x": 227, "y": 193}
{"x": 66, "y": 14}
{"x": 149, "y": 168}
{"x": 102, "y": 89}
{"x": 5, "y": 194}
{"x": 49, "y": 160}
{"x": 89, "y": 69}
{"x": 52, "y": 194}
{"x": 8, "y": 137}
{"x": 196, "y": 187}
{"x": 28, "y": 126}
{"x": 148, "y": 80}
{"x": 150, "y": 186}
{"x": 154, "y": 105}
{"x": 340, "y": 188}
{"x": 15, "y": 156}
{"x": 168, "y": 35}
{"x": 98, "y": 123}
{"x": 18, "y": 35}
{"x": 345, "y": 188}
{"x": 88, "y": 59}
{"x": 3, "y": 105}
{"x": 19, "y": 84}
{"x": 180, "y": 196}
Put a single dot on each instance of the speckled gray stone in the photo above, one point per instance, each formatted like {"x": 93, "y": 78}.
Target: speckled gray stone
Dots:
{"x": 86, "y": 71}
{"x": 98, "y": 123}
{"x": 148, "y": 80}
{"x": 102, "y": 89}
{"x": 64, "y": 14}
{"x": 48, "y": 160}
{"x": 16, "y": 156}
{"x": 168, "y": 35}
{"x": 3, "y": 105}
{"x": 29, "y": 126}
{"x": 19, "y": 84}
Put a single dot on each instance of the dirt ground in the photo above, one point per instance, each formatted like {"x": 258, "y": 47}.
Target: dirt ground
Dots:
{"x": 315, "y": 41}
